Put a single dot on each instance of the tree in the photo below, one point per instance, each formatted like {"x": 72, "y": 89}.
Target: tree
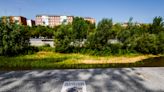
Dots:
{"x": 116, "y": 29}
{"x": 80, "y": 28}
{"x": 41, "y": 31}
{"x": 147, "y": 44}
{"x": 158, "y": 25}
{"x": 161, "y": 43}
{"x": 130, "y": 23}
{"x": 13, "y": 39}
{"x": 145, "y": 28}
{"x": 124, "y": 35}
{"x": 99, "y": 39}
{"x": 63, "y": 38}
{"x": 91, "y": 26}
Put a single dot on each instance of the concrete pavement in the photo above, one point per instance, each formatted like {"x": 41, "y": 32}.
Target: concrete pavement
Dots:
{"x": 96, "y": 80}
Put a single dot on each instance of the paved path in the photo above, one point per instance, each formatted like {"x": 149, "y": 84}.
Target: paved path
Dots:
{"x": 97, "y": 80}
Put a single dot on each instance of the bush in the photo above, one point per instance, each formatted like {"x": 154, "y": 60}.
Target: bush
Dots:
{"x": 116, "y": 48}
{"x": 46, "y": 45}
{"x": 46, "y": 48}
{"x": 30, "y": 50}
{"x": 14, "y": 39}
{"x": 161, "y": 43}
{"x": 99, "y": 39}
{"x": 63, "y": 38}
{"x": 147, "y": 44}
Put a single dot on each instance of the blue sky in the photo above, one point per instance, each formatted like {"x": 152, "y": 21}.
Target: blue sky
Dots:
{"x": 118, "y": 10}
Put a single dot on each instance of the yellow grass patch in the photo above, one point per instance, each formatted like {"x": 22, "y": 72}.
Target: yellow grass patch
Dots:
{"x": 120, "y": 59}
{"x": 87, "y": 59}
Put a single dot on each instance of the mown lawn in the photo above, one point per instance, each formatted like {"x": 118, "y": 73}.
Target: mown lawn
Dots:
{"x": 52, "y": 60}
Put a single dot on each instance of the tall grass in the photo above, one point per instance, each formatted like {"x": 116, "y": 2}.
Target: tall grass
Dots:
{"x": 51, "y": 60}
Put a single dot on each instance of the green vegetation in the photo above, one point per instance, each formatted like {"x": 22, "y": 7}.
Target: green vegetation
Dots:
{"x": 110, "y": 39}
{"x": 51, "y": 60}
{"x": 83, "y": 45}
{"x": 84, "y": 37}
{"x": 14, "y": 39}
{"x": 41, "y": 31}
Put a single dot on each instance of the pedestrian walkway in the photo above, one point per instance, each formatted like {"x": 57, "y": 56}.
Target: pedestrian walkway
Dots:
{"x": 89, "y": 80}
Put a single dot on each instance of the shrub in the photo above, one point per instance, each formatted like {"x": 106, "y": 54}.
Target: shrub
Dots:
{"x": 100, "y": 38}
{"x": 116, "y": 48}
{"x": 46, "y": 48}
{"x": 147, "y": 44}
{"x": 30, "y": 50}
{"x": 14, "y": 39}
{"x": 161, "y": 43}
{"x": 46, "y": 45}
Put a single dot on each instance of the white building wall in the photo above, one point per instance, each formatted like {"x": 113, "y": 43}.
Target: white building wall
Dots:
{"x": 63, "y": 19}
{"x": 29, "y": 23}
{"x": 41, "y": 42}
{"x": 45, "y": 20}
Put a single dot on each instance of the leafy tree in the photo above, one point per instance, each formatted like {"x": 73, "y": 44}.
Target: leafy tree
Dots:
{"x": 158, "y": 25}
{"x": 80, "y": 28}
{"x": 124, "y": 35}
{"x": 91, "y": 26}
{"x": 41, "y": 31}
{"x": 161, "y": 43}
{"x": 145, "y": 28}
{"x": 130, "y": 23}
{"x": 63, "y": 38}
{"x": 13, "y": 39}
{"x": 147, "y": 44}
{"x": 100, "y": 38}
{"x": 116, "y": 29}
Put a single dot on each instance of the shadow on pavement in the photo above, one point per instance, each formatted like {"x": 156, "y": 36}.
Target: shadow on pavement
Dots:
{"x": 97, "y": 80}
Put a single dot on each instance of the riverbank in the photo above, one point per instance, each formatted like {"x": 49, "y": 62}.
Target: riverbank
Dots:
{"x": 52, "y": 60}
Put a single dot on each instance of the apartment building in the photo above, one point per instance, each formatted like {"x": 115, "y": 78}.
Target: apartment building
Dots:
{"x": 14, "y": 19}
{"x": 19, "y": 20}
{"x": 31, "y": 23}
{"x": 92, "y": 20}
{"x": 53, "y": 20}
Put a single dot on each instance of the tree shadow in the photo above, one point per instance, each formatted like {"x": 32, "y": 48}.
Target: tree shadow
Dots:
{"x": 97, "y": 80}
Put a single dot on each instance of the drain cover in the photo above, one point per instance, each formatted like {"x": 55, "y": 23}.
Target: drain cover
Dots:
{"x": 74, "y": 86}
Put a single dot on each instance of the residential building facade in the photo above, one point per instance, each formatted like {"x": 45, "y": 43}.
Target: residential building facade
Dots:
{"x": 19, "y": 20}
{"x": 15, "y": 19}
{"x": 31, "y": 23}
{"x": 55, "y": 20}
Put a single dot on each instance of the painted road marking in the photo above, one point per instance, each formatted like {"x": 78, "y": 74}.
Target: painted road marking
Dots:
{"x": 74, "y": 86}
